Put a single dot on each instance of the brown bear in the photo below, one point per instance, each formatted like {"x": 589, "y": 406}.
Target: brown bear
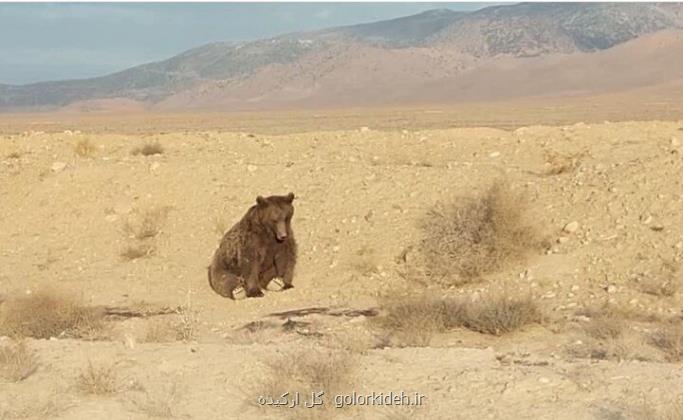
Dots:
{"x": 257, "y": 249}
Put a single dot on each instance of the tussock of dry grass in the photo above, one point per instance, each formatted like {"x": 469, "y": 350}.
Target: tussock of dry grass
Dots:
{"x": 672, "y": 410}
{"x": 17, "y": 362}
{"x": 364, "y": 261}
{"x": 142, "y": 227}
{"x": 478, "y": 235}
{"x": 146, "y": 224}
{"x": 605, "y": 327}
{"x": 44, "y": 315}
{"x": 84, "y": 148}
{"x": 414, "y": 320}
{"x": 182, "y": 327}
{"x": 148, "y": 149}
{"x": 664, "y": 284}
{"x": 100, "y": 380}
{"x": 305, "y": 370}
{"x": 496, "y": 315}
{"x": 669, "y": 339}
{"x": 14, "y": 155}
{"x": 159, "y": 402}
{"x": 37, "y": 409}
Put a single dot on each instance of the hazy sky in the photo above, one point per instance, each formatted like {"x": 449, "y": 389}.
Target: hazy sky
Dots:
{"x": 50, "y": 41}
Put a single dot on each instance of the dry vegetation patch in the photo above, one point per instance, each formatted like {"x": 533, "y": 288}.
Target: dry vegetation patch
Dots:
{"x": 414, "y": 320}
{"x": 478, "y": 235}
{"x": 665, "y": 283}
{"x": 46, "y": 314}
{"x": 305, "y": 370}
{"x": 669, "y": 339}
{"x": 142, "y": 228}
{"x": 148, "y": 149}
{"x": 17, "y": 361}
{"x": 159, "y": 402}
{"x": 98, "y": 380}
{"x": 560, "y": 163}
{"x": 84, "y": 148}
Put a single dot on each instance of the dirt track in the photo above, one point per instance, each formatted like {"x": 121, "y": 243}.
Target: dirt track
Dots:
{"x": 360, "y": 196}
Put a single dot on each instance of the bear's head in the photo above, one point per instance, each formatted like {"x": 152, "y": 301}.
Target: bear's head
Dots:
{"x": 275, "y": 214}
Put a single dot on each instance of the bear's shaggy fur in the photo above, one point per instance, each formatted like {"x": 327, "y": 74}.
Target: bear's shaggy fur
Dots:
{"x": 257, "y": 249}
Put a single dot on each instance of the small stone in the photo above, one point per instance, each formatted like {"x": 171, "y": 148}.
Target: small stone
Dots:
{"x": 544, "y": 380}
{"x": 111, "y": 218}
{"x": 633, "y": 301}
{"x": 571, "y": 227}
{"x": 252, "y": 168}
{"x": 364, "y": 129}
{"x": 154, "y": 166}
{"x": 562, "y": 240}
{"x": 494, "y": 154}
{"x": 575, "y": 288}
{"x": 675, "y": 142}
{"x": 646, "y": 218}
{"x": 611, "y": 289}
{"x": 58, "y": 166}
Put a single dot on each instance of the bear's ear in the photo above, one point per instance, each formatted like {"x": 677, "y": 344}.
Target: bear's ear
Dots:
{"x": 290, "y": 197}
{"x": 260, "y": 201}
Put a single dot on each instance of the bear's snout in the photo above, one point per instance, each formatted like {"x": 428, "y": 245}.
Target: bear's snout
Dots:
{"x": 281, "y": 232}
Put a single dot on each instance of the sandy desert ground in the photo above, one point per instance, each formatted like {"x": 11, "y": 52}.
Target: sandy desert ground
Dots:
{"x": 73, "y": 208}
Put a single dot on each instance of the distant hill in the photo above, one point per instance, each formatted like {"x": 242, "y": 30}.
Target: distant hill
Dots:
{"x": 435, "y": 56}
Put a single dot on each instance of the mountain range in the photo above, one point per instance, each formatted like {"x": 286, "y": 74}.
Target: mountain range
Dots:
{"x": 438, "y": 56}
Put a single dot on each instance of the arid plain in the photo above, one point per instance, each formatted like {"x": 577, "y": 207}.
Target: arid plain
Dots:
{"x": 108, "y": 223}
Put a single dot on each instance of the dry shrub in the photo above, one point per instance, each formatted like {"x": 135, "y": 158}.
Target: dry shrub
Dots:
{"x": 159, "y": 402}
{"x": 14, "y": 155}
{"x": 305, "y": 370}
{"x": 496, "y": 314}
{"x": 101, "y": 380}
{"x": 605, "y": 327}
{"x": 560, "y": 163}
{"x": 414, "y": 320}
{"x": 84, "y": 148}
{"x": 148, "y": 149}
{"x": 146, "y": 224}
{"x": 17, "y": 362}
{"x": 666, "y": 283}
{"x": 45, "y": 314}
{"x": 672, "y": 410}
{"x": 181, "y": 328}
{"x": 669, "y": 339}
{"x": 364, "y": 261}
{"x": 41, "y": 409}
{"x": 411, "y": 320}
{"x": 479, "y": 235}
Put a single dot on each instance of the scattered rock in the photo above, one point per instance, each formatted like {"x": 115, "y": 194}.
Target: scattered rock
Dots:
{"x": 364, "y": 129}
{"x": 562, "y": 240}
{"x": 494, "y": 154}
{"x": 252, "y": 168}
{"x": 154, "y": 166}
{"x": 571, "y": 227}
{"x": 611, "y": 289}
{"x": 675, "y": 142}
{"x": 646, "y": 218}
{"x": 58, "y": 166}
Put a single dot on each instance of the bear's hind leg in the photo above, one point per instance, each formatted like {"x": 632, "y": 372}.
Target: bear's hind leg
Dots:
{"x": 223, "y": 282}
